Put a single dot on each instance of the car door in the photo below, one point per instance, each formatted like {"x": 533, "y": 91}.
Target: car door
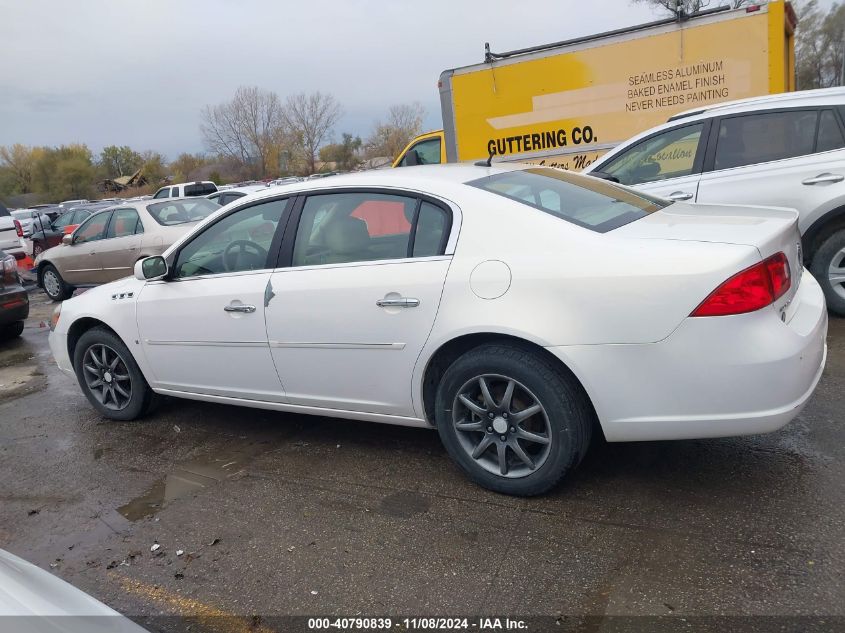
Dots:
{"x": 120, "y": 248}
{"x": 80, "y": 261}
{"x": 202, "y": 328}
{"x": 788, "y": 158}
{"x": 356, "y": 297}
{"x": 666, "y": 164}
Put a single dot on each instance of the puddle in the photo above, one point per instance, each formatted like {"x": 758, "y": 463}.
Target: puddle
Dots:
{"x": 404, "y": 504}
{"x": 187, "y": 478}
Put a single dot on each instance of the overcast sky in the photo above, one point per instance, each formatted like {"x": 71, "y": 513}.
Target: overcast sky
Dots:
{"x": 113, "y": 72}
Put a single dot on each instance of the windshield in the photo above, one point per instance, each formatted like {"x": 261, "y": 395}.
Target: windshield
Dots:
{"x": 588, "y": 202}
{"x": 174, "y": 212}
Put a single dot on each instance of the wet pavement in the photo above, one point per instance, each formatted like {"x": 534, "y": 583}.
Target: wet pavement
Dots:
{"x": 259, "y": 513}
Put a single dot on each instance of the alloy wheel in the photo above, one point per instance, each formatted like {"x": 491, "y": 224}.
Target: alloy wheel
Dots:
{"x": 107, "y": 376}
{"x": 502, "y": 426}
{"x": 51, "y": 283}
{"x": 836, "y": 273}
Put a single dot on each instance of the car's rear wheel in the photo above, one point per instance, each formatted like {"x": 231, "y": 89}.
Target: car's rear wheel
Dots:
{"x": 110, "y": 377}
{"x": 513, "y": 421}
{"x": 54, "y": 285}
{"x": 828, "y": 267}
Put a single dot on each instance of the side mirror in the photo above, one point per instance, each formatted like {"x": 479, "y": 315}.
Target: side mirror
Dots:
{"x": 67, "y": 240}
{"x": 411, "y": 158}
{"x": 150, "y": 268}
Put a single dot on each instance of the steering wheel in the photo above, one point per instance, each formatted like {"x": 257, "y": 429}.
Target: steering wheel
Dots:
{"x": 231, "y": 257}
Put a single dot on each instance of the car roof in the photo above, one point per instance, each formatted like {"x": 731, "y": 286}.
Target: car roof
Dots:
{"x": 822, "y": 96}
{"x": 411, "y": 178}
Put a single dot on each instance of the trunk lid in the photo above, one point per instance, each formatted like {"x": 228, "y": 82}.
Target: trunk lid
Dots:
{"x": 768, "y": 229}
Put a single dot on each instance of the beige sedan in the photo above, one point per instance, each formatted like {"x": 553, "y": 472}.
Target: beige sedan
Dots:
{"x": 106, "y": 246}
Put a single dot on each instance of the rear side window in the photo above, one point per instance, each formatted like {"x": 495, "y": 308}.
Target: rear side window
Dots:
{"x": 830, "y": 134}
{"x": 125, "y": 222}
{"x": 199, "y": 189}
{"x": 764, "y": 137}
{"x": 588, "y": 202}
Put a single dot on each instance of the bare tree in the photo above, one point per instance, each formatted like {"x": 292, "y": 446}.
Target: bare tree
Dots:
{"x": 693, "y": 6}
{"x": 245, "y": 128}
{"x": 309, "y": 119}
{"x": 819, "y": 45}
{"x": 390, "y": 137}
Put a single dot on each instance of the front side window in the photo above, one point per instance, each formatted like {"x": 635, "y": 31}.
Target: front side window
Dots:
{"x": 162, "y": 193}
{"x": 761, "y": 138}
{"x": 64, "y": 220}
{"x": 125, "y": 222}
{"x": 588, "y": 202}
{"x": 670, "y": 154}
{"x": 428, "y": 153}
{"x": 181, "y": 211}
{"x": 239, "y": 242}
{"x": 340, "y": 228}
{"x": 93, "y": 229}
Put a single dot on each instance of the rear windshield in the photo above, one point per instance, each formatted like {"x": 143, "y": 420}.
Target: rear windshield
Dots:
{"x": 589, "y": 202}
{"x": 200, "y": 189}
{"x": 173, "y": 212}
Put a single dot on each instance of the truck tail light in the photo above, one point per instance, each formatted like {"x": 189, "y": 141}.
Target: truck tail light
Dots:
{"x": 752, "y": 8}
{"x": 756, "y": 287}
{"x": 18, "y": 229}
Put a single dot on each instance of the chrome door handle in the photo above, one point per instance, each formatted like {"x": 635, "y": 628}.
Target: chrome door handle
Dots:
{"x": 827, "y": 177}
{"x": 239, "y": 308}
{"x": 401, "y": 302}
{"x": 680, "y": 195}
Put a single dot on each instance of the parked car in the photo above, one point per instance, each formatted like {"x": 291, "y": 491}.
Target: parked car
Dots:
{"x": 53, "y": 233}
{"x": 106, "y": 245}
{"x": 186, "y": 189}
{"x": 67, "y": 204}
{"x": 14, "y": 300}
{"x": 33, "y": 600}
{"x": 30, "y": 219}
{"x": 11, "y": 234}
{"x": 515, "y": 306}
{"x": 786, "y": 150}
{"x": 229, "y": 195}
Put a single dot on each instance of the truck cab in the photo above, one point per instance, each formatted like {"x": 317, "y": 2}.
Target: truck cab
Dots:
{"x": 426, "y": 149}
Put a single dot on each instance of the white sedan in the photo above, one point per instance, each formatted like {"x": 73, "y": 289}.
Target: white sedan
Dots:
{"x": 516, "y": 309}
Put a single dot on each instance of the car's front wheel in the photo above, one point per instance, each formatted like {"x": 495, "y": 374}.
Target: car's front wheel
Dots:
{"x": 513, "y": 421}
{"x": 828, "y": 267}
{"x": 110, "y": 377}
{"x": 54, "y": 285}
{"x": 37, "y": 249}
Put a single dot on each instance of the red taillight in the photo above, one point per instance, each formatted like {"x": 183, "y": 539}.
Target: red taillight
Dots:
{"x": 752, "y": 8}
{"x": 749, "y": 290}
{"x": 18, "y": 228}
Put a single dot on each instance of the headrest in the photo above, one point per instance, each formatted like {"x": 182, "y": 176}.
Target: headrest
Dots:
{"x": 346, "y": 235}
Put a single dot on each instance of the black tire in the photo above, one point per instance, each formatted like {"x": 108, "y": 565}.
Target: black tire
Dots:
{"x": 37, "y": 249}
{"x": 61, "y": 290}
{"x": 566, "y": 415}
{"x": 141, "y": 398}
{"x": 831, "y": 248}
{"x": 12, "y": 330}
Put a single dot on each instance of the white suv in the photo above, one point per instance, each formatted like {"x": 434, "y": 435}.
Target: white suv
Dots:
{"x": 785, "y": 150}
{"x": 186, "y": 189}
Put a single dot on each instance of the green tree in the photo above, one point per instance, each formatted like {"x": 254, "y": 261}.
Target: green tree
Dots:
{"x": 119, "y": 161}
{"x": 153, "y": 167}
{"x": 64, "y": 172}
{"x": 343, "y": 154}
{"x": 183, "y": 168}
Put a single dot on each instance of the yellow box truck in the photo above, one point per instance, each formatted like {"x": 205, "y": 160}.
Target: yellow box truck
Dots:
{"x": 565, "y": 104}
